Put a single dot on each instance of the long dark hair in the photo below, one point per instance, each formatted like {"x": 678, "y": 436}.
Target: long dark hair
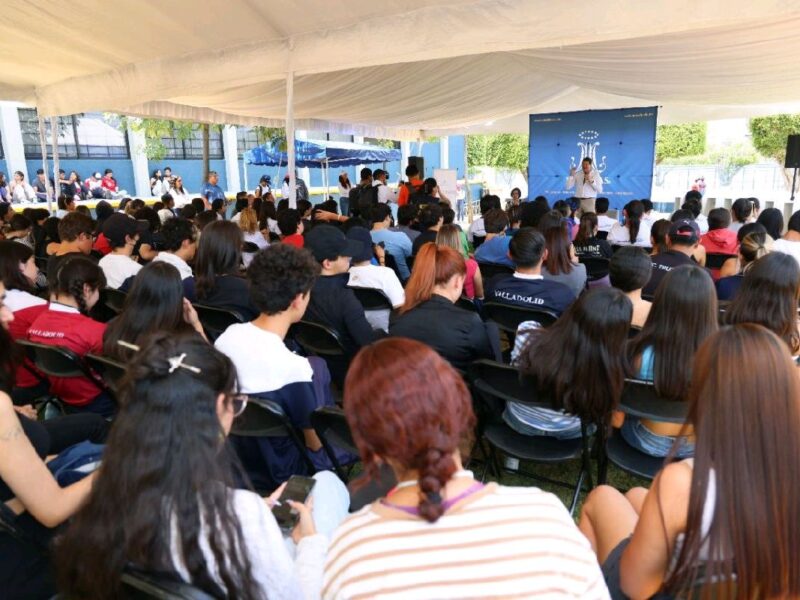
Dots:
{"x": 768, "y": 296}
{"x": 580, "y": 359}
{"x": 633, "y": 218}
{"x": 555, "y": 229}
{"x": 219, "y": 253}
{"x": 586, "y": 228}
{"x": 746, "y": 423}
{"x": 154, "y": 303}
{"x": 772, "y": 220}
{"x": 165, "y": 468}
{"x": 73, "y": 273}
{"x": 684, "y": 313}
{"x": 12, "y": 254}
{"x": 658, "y": 235}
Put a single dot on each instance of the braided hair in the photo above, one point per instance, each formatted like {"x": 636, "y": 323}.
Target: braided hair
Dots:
{"x": 73, "y": 274}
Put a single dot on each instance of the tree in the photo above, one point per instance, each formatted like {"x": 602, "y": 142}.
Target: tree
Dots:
{"x": 677, "y": 141}
{"x": 501, "y": 151}
{"x": 154, "y": 130}
{"x": 769, "y": 137}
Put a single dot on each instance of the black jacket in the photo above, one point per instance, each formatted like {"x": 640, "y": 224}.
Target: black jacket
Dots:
{"x": 458, "y": 335}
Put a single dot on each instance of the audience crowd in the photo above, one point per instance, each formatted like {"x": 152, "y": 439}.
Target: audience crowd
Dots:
{"x": 166, "y": 369}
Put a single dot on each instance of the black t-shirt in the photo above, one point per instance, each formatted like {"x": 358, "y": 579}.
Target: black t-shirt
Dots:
{"x": 231, "y": 293}
{"x": 594, "y": 248}
{"x": 662, "y": 264}
{"x": 422, "y": 238}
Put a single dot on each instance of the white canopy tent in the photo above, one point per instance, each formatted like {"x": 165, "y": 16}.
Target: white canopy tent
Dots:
{"x": 401, "y": 69}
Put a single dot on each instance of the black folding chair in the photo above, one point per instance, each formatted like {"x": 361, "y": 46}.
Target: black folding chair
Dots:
{"x": 391, "y": 262}
{"x": 333, "y": 431}
{"x": 596, "y": 267}
{"x": 477, "y": 240}
{"x": 495, "y": 384}
{"x": 216, "y": 320}
{"x": 142, "y": 585}
{"x": 489, "y": 270}
{"x": 715, "y": 260}
{"x": 58, "y": 361}
{"x": 372, "y": 299}
{"x": 109, "y": 369}
{"x": 114, "y": 299}
{"x": 602, "y": 235}
{"x": 508, "y": 317}
{"x": 263, "y": 417}
{"x": 639, "y": 399}
{"x": 317, "y": 339}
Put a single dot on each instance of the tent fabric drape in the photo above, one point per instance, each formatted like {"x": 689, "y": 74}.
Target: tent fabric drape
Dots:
{"x": 402, "y": 70}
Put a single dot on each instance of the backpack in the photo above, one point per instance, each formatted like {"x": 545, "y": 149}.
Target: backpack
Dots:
{"x": 363, "y": 198}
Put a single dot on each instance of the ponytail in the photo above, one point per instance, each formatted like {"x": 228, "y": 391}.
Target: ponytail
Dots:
{"x": 435, "y": 470}
{"x": 633, "y": 218}
{"x": 434, "y": 265}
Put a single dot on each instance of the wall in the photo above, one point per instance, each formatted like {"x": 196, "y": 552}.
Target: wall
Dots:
{"x": 191, "y": 171}
{"x": 122, "y": 167}
{"x": 4, "y": 169}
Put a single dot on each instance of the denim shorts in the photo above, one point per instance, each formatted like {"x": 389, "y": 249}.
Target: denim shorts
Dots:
{"x": 567, "y": 433}
{"x": 640, "y": 437}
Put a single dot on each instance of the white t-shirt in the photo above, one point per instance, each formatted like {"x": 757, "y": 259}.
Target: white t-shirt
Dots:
{"x": 787, "y": 247}
{"x": 258, "y": 239}
{"x": 605, "y": 223}
{"x": 379, "y": 278}
{"x": 176, "y": 261}
{"x": 117, "y": 268}
{"x": 620, "y": 236}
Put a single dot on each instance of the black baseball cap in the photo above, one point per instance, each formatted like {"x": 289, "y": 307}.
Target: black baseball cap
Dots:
{"x": 117, "y": 226}
{"x": 363, "y": 237}
{"x": 328, "y": 243}
{"x": 684, "y": 231}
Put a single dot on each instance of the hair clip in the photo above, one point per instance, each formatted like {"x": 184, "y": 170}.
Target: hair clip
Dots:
{"x": 128, "y": 345}
{"x": 177, "y": 362}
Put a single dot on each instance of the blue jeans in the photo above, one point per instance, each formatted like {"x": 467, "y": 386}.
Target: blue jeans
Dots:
{"x": 652, "y": 444}
{"x": 344, "y": 205}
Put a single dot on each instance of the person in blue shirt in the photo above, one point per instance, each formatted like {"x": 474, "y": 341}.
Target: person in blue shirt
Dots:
{"x": 211, "y": 191}
{"x": 495, "y": 248}
{"x": 396, "y": 243}
{"x": 526, "y": 287}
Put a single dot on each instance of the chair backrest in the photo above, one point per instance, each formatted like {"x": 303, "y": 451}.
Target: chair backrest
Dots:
{"x": 250, "y": 247}
{"x": 371, "y": 298}
{"x": 110, "y": 370}
{"x": 392, "y": 264}
{"x": 639, "y": 399}
{"x": 715, "y": 260}
{"x": 503, "y": 382}
{"x": 489, "y": 270}
{"x": 140, "y": 585}
{"x": 216, "y": 320}
{"x": 602, "y": 235}
{"x": 509, "y": 317}
{"x": 477, "y": 240}
{"x": 331, "y": 426}
{"x": 318, "y": 339}
{"x": 56, "y": 361}
{"x": 114, "y": 299}
{"x": 596, "y": 267}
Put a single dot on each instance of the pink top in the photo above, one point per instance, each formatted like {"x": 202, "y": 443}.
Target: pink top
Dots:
{"x": 469, "y": 282}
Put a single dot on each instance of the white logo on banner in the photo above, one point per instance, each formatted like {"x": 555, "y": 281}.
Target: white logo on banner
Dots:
{"x": 588, "y": 146}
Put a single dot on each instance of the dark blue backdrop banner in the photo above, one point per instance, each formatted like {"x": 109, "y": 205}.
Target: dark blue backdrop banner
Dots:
{"x": 621, "y": 143}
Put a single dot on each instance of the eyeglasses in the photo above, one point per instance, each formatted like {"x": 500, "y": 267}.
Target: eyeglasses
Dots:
{"x": 239, "y": 402}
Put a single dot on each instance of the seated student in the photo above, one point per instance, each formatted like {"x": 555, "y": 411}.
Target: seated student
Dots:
{"x": 478, "y": 229}
{"x": 742, "y": 213}
{"x": 567, "y": 209}
{"x": 122, "y": 234}
{"x": 604, "y": 222}
{"x": 561, "y": 264}
{"x": 281, "y": 278}
{"x": 74, "y": 290}
{"x": 165, "y": 498}
{"x": 635, "y": 231}
{"x": 430, "y": 218}
{"x": 396, "y": 243}
{"x": 753, "y": 245}
{"x": 629, "y": 270}
{"x": 693, "y": 202}
{"x": 19, "y": 230}
{"x": 332, "y": 302}
{"x": 431, "y": 316}
{"x": 498, "y": 541}
{"x": 406, "y": 215}
{"x": 154, "y": 303}
{"x": 290, "y": 224}
{"x": 683, "y": 238}
{"x": 702, "y": 519}
{"x": 248, "y": 223}
{"x": 514, "y": 214}
{"x": 699, "y": 253}
{"x": 772, "y": 220}
{"x": 658, "y": 236}
{"x": 769, "y": 296}
{"x": 790, "y": 243}
{"x": 533, "y": 211}
{"x": 75, "y": 233}
{"x": 684, "y": 313}
{"x": 578, "y": 363}
{"x": 648, "y": 216}
{"x": 527, "y": 288}
{"x": 363, "y": 274}
{"x": 218, "y": 280}
{"x": 451, "y": 236}
{"x": 180, "y": 246}
{"x": 586, "y": 242}
{"x": 494, "y": 249}
{"x": 719, "y": 239}
{"x": 219, "y": 206}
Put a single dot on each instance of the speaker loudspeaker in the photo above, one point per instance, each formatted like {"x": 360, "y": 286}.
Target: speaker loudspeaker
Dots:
{"x": 419, "y": 162}
{"x": 793, "y": 152}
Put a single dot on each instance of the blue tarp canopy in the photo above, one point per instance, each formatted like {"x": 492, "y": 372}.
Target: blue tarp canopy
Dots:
{"x": 312, "y": 153}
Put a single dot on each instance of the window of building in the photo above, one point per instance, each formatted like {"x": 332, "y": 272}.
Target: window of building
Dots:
{"x": 248, "y": 138}
{"x": 193, "y": 146}
{"x": 89, "y": 135}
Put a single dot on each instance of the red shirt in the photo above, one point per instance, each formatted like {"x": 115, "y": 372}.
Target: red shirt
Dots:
{"x": 101, "y": 245}
{"x": 720, "y": 241}
{"x": 294, "y": 240}
{"x": 402, "y": 196}
{"x": 62, "y": 325}
{"x": 109, "y": 183}
{"x": 26, "y": 308}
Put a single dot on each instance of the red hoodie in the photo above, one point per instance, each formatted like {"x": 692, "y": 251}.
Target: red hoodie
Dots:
{"x": 720, "y": 241}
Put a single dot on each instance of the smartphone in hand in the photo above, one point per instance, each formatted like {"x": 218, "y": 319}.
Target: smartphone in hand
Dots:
{"x": 297, "y": 488}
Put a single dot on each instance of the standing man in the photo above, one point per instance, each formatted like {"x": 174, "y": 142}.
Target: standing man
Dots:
{"x": 587, "y": 183}
{"x": 211, "y": 191}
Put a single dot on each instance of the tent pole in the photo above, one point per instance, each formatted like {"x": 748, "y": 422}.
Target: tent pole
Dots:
{"x": 290, "y": 149}
{"x": 244, "y": 166}
{"x": 56, "y": 165}
{"x": 467, "y": 194}
{"x": 43, "y": 145}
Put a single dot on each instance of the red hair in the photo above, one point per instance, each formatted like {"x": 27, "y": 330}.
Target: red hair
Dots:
{"x": 434, "y": 265}
{"x": 406, "y": 403}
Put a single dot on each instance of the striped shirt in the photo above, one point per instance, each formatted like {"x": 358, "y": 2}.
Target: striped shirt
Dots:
{"x": 500, "y": 542}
